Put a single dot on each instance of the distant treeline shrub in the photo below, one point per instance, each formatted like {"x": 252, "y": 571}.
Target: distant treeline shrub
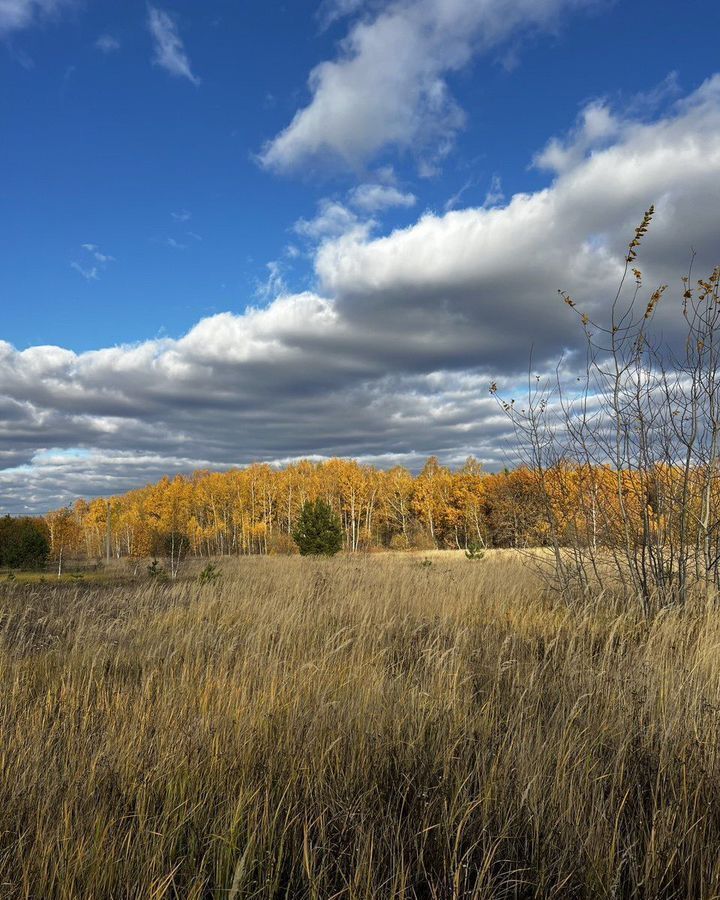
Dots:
{"x": 24, "y": 543}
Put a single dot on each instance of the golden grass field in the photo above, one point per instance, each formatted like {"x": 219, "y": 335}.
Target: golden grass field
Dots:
{"x": 366, "y": 727}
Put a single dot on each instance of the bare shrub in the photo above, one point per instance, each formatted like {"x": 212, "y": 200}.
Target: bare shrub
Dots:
{"x": 626, "y": 458}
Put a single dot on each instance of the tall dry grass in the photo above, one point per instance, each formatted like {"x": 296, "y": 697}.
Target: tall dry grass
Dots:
{"x": 355, "y": 728}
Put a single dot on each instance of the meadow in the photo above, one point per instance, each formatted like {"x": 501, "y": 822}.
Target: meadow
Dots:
{"x": 381, "y": 726}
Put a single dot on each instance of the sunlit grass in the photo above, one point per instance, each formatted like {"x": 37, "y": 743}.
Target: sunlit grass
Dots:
{"x": 359, "y": 728}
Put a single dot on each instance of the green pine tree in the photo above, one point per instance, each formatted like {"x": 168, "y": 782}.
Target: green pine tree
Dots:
{"x": 318, "y": 531}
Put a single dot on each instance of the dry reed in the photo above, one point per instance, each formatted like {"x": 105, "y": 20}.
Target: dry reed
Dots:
{"x": 355, "y": 728}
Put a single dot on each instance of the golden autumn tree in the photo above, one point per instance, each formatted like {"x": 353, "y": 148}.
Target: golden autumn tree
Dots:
{"x": 468, "y": 501}
{"x": 65, "y": 532}
{"x": 432, "y": 500}
{"x": 396, "y": 503}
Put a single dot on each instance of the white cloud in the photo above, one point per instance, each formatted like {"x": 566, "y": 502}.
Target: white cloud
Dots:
{"x": 597, "y": 127}
{"x": 370, "y": 198}
{"x": 182, "y": 216}
{"x": 387, "y": 86}
{"x": 18, "y": 14}
{"x": 274, "y": 284}
{"x": 169, "y": 48}
{"x": 54, "y": 478}
{"x": 107, "y": 43}
{"x": 483, "y": 279}
{"x": 394, "y": 350}
{"x": 331, "y": 220}
{"x": 331, "y": 11}
{"x": 335, "y": 218}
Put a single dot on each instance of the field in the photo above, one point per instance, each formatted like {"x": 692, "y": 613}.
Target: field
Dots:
{"x": 372, "y": 727}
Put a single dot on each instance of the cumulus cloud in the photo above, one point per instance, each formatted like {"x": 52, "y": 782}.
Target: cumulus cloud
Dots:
{"x": 18, "y": 14}
{"x": 331, "y": 220}
{"x": 387, "y": 86}
{"x": 391, "y": 354}
{"x": 498, "y": 267}
{"x": 356, "y": 214}
{"x": 169, "y": 51}
{"x": 597, "y": 127}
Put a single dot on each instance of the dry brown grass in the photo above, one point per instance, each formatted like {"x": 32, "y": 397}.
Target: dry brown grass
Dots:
{"x": 355, "y": 728}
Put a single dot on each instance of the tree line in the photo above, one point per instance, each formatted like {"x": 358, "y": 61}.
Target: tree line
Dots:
{"x": 255, "y": 510}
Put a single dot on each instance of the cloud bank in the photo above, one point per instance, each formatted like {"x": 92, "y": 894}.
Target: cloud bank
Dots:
{"x": 390, "y": 355}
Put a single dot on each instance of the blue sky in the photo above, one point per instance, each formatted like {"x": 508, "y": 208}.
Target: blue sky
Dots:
{"x": 103, "y": 148}
{"x": 169, "y": 172}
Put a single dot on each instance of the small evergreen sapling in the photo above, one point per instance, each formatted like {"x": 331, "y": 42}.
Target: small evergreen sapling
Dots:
{"x": 318, "y": 531}
{"x": 209, "y": 575}
{"x": 474, "y": 551}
